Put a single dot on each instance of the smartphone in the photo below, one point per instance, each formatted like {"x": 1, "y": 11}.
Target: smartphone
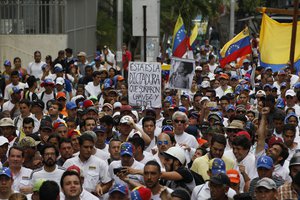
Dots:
{"x": 118, "y": 170}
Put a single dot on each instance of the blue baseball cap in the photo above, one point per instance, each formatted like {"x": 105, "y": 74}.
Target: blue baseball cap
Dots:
{"x": 297, "y": 85}
{"x": 217, "y": 166}
{"x": 71, "y": 105}
{"x": 16, "y": 89}
{"x": 126, "y": 149}
{"x": 265, "y": 162}
{"x": 236, "y": 77}
{"x": 268, "y": 85}
{"x": 182, "y": 109}
{"x": 5, "y": 171}
{"x": 7, "y": 63}
{"x": 268, "y": 68}
{"x": 230, "y": 107}
{"x": 100, "y": 129}
{"x": 98, "y": 58}
{"x": 58, "y": 68}
{"x": 119, "y": 188}
{"x": 283, "y": 84}
{"x": 167, "y": 129}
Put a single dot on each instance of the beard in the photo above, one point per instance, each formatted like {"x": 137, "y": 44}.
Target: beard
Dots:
{"x": 49, "y": 162}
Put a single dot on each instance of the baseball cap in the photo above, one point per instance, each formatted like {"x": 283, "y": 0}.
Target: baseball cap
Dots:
{"x": 236, "y": 77}
{"x": 230, "y": 107}
{"x": 61, "y": 95}
{"x": 126, "y": 149}
{"x": 297, "y": 85}
{"x": 266, "y": 183}
{"x": 205, "y": 84}
{"x": 81, "y": 53}
{"x": 240, "y": 107}
{"x": 246, "y": 61}
{"x": 28, "y": 142}
{"x": 225, "y": 76}
{"x": 268, "y": 85}
{"x": 233, "y": 176}
{"x": 264, "y": 162}
{"x": 100, "y": 129}
{"x": 6, "y": 122}
{"x": 260, "y": 92}
{"x": 204, "y": 98}
{"x": 16, "y": 89}
{"x": 37, "y": 184}
{"x": 87, "y": 103}
{"x": 39, "y": 103}
{"x": 117, "y": 105}
{"x": 46, "y": 122}
{"x": 198, "y": 68}
{"x": 108, "y": 105}
{"x": 244, "y": 133}
{"x": 91, "y": 108}
{"x": 75, "y": 168}
{"x": 290, "y": 92}
{"x": 57, "y": 124}
{"x": 97, "y": 58}
{"x": 236, "y": 124}
{"x": 3, "y": 140}
{"x": 125, "y": 119}
{"x": 57, "y": 68}
{"x": 217, "y": 166}
{"x": 167, "y": 129}
{"x": 273, "y": 140}
{"x": 119, "y": 188}
{"x": 7, "y": 63}
{"x": 141, "y": 193}
{"x": 281, "y": 72}
{"x": 47, "y": 81}
{"x": 70, "y": 105}
{"x": 220, "y": 179}
{"x": 268, "y": 68}
{"x": 73, "y": 132}
{"x": 5, "y": 171}
{"x": 181, "y": 193}
{"x": 283, "y": 85}
{"x": 59, "y": 81}
{"x": 194, "y": 114}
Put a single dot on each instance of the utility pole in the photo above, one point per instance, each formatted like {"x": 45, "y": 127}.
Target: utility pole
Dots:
{"x": 231, "y": 24}
{"x": 119, "y": 33}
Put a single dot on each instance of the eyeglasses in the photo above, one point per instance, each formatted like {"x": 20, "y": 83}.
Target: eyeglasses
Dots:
{"x": 177, "y": 121}
{"x": 163, "y": 142}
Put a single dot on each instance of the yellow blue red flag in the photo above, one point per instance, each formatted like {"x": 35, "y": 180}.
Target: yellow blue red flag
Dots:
{"x": 275, "y": 42}
{"x": 193, "y": 36}
{"x": 179, "y": 39}
{"x": 236, "y": 47}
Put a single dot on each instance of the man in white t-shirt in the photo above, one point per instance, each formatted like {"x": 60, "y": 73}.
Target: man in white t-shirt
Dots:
{"x": 35, "y": 68}
{"x": 15, "y": 83}
{"x": 93, "y": 88}
{"x": 49, "y": 93}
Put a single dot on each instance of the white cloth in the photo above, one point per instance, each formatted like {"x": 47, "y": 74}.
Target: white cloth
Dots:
{"x": 92, "y": 90}
{"x": 21, "y": 179}
{"x": 35, "y": 69}
{"x": 186, "y": 138}
{"x": 8, "y": 89}
{"x": 94, "y": 170}
{"x": 19, "y": 122}
{"x": 40, "y": 173}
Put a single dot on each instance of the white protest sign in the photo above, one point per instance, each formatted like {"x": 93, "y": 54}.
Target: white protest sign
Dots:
{"x": 144, "y": 84}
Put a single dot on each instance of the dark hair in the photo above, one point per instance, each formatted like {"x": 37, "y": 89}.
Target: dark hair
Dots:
{"x": 278, "y": 116}
{"x": 55, "y": 102}
{"x": 68, "y": 173}
{"x": 284, "y": 152}
{"x": 16, "y": 58}
{"x": 242, "y": 141}
{"x": 154, "y": 163}
{"x": 14, "y": 73}
{"x": 64, "y": 140}
{"x": 226, "y": 98}
{"x": 69, "y": 50}
{"x": 48, "y": 146}
{"x": 36, "y": 52}
{"x": 85, "y": 137}
{"x": 137, "y": 141}
{"x": 270, "y": 98}
{"x": 54, "y": 136}
{"x": 28, "y": 120}
{"x": 96, "y": 73}
{"x": 107, "y": 119}
{"x": 17, "y": 196}
{"x": 219, "y": 138}
{"x": 242, "y": 118}
{"x": 25, "y": 101}
{"x": 242, "y": 196}
{"x": 148, "y": 118}
{"x": 30, "y": 81}
{"x": 49, "y": 190}
{"x": 289, "y": 127}
{"x": 198, "y": 94}
{"x": 16, "y": 148}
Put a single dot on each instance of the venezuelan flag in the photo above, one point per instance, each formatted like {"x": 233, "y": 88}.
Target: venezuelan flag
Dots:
{"x": 275, "y": 43}
{"x": 235, "y": 48}
{"x": 193, "y": 37}
{"x": 179, "y": 39}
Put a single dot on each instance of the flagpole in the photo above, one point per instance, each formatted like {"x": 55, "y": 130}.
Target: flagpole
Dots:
{"x": 294, "y": 32}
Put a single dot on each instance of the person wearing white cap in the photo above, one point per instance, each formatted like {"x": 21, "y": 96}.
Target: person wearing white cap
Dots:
{"x": 82, "y": 62}
{"x": 291, "y": 100}
{"x": 3, "y": 149}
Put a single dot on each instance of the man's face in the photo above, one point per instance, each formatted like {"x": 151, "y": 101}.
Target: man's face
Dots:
{"x": 179, "y": 125}
{"x": 239, "y": 152}
{"x": 49, "y": 157}
{"x": 223, "y": 81}
{"x": 44, "y": 134}
{"x": 37, "y": 57}
{"x": 86, "y": 149}
{"x": 17, "y": 63}
{"x": 53, "y": 111}
{"x": 5, "y": 184}
{"x": 163, "y": 142}
{"x": 14, "y": 79}
{"x": 89, "y": 124}
{"x": 168, "y": 163}
{"x": 28, "y": 128}
{"x": 66, "y": 150}
{"x": 97, "y": 79}
{"x": 62, "y": 131}
{"x": 224, "y": 104}
{"x": 7, "y": 131}
{"x": 114, "y": 149}
{"x": 24, "y": 109}
{"x": 126, "y": 160}
{"x": 288, "y": 138}
{"x": 196, "y": 102}
{"x": 217, "y": 191}
{"x": 151, "y": 176}
{"x": 15, "y": 158}
{"x": 217, "y": 150}
{"x": 264, "y": 172}
{"x": 125, "y": 129}
{"x": 72, "y": 112}
{"x": 294, "y": 170}
{"x": 92, "y": 114}
{"x": 149, "y": 127}
{"x": 266, "y": 194}
{"x": 274, "y": 152}
{"x": 101, "y": 137}
{"x": 71, "y": 187}
{"x": 278, "y": 125}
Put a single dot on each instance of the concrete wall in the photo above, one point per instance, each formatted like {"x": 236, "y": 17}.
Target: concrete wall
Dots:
{"x": 23, "y": 46}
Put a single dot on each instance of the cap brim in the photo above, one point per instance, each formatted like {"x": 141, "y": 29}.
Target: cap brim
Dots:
{"x": 264, "y": 166}
{"x": 218, "y": 171}
{"x": 5, "y": 175}
{"x": 126, "y": 153}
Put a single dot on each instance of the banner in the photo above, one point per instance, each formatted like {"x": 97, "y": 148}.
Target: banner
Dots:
{"x": 235, "y": 48}
{"x": 144, "y": 84}
{"x": 181, "y": 73}
{"x": 275, "y": 43}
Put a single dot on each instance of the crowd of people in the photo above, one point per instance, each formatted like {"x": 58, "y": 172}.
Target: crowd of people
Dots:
{"x": 68, "y": 131}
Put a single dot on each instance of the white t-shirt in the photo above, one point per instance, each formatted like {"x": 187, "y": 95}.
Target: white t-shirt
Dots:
{"x": 21, "y": 179}
{"x": 40, "y": 173}
{"x": 94, "y": 171}
{"x": 46, "y": 97}
{"x": 147, "y": 157}
{"x": 35, "y": 69}
{"x": 19, "y": 122}
{"x": 186, "y": 138}
{"x": 92, "y": 90}
{"x": 135, "y": 177}
{"x": 8, "y": 89}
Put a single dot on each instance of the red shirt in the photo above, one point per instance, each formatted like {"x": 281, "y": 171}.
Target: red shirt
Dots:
{"x": 126, "y": 58}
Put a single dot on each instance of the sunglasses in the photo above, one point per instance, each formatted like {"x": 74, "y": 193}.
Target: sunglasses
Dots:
{"x": 162, "y": 142}
{"x": 177, "y": 121}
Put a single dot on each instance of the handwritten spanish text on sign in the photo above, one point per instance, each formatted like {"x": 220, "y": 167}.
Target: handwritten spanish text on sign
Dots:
{"x": 144, "y": 84}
